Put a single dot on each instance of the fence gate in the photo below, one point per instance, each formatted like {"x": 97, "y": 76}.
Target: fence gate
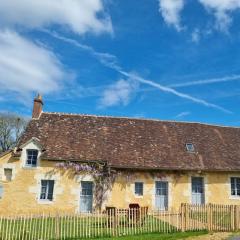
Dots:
{"x": 213, "y": 217}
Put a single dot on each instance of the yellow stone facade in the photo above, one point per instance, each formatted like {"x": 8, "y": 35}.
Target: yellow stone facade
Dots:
{"x": 21, "y": 194}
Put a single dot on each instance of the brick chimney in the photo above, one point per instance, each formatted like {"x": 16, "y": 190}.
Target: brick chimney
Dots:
{"x": 37, "y": 106}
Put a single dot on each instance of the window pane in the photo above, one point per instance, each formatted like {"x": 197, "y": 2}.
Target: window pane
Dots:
{"x": 139, "y": 188}
{"x": 43, "y": 192}
{"x": 238, "y": 183}
{"x": 8, "y": 174}
{"x": 44, "y": 182}
{"x": 190, "y": 147}
{"x": 50, "y": 189}
{"x": 238, "y": 192}
{"x": 34, "y": 161}
{"x": 43, "y": 196}
{"x": 32, "y": 155}
{"x": 161, "y": 188}
{"x": 235, "y": 186}
{"x": 50, "y": 196}
{"x": 197, "y": 185}
{"x": 87, "y": 188}
{"x": 47, "y": 187}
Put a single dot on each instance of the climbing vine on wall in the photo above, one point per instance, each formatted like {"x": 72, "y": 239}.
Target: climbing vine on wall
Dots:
{"x": 103, "y": 177}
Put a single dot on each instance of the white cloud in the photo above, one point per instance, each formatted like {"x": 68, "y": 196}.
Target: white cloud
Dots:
{"x": 221, "y": 10}
{"x": 118, "y": 93}
{"x": 103, "y": 57}
{"x": 170, "y": 10}
{"x": 26, "y": 67}
{"x": 196, "y": 35}
{"x": 174, "y": 92}
{"x": 80, "y": 16}
{"x": 182, "y": 114}
{"x": 206, "y": 81}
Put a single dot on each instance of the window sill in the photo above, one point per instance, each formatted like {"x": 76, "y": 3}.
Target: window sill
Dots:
{"x": 161, "y": 210}
{"x": 138, "y": 196}
{"x": 234, "y": 197}
{"x": 30, "y": 167}
{"x": 6, "y": 181}
{"x": 40, "y": 201}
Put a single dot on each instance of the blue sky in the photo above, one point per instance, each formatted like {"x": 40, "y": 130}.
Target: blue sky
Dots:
{"x": 165, "y": 59}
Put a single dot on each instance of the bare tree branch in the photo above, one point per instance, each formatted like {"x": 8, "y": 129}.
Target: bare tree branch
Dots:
{"x": 11, "y": 128}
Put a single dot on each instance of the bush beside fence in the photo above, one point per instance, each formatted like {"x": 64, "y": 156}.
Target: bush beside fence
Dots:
{"x": 119, "y": 222}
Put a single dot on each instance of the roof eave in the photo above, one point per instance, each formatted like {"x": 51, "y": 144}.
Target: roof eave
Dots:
{"x": 6, "y": 152}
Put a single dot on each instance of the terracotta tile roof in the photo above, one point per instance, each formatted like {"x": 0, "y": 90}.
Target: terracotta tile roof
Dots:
{"x": 136, "y": 143}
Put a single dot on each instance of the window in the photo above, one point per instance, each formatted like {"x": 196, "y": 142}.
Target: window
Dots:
{"x": 32, "y": 156}
{"x": 190, "y": 147}
{"x": 47, "y": 190}
{"x": 1, "y": 191}
{"x": 8, "y": 174}
{"x": 235, "y": 186}
{"x": 139, "y": 188}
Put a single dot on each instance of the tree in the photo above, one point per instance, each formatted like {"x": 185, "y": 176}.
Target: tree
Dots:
{"x": 11, "y": 128}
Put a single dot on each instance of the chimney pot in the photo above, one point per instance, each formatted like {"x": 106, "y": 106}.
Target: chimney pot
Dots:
{"x": 37, "y": 106}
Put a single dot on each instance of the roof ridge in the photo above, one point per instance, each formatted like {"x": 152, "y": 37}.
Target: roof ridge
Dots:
{"x": 138, "y": 118}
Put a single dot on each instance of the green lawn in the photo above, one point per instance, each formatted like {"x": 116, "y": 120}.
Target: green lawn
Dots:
{"x": 155, "y": 236}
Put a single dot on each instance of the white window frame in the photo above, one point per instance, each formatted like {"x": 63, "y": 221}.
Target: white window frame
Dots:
{"x": 235, "y": 183}
{"x": 31, "y": 165}
{"x": 203, "y": 188}
{"x": 32, "y": 144}
{"x": 89, "y": 180}
{"x": 192, "y": 150}
{"x": 167, "y": 207}
{"x": 4, "y": 171}
{"x": 137, "y": 194}
{"x": 46, "y": 200}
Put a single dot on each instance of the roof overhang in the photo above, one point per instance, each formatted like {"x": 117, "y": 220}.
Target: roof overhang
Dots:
{"x": 32, "y": 140}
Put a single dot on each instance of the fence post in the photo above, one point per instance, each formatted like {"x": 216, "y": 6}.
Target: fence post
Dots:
{"x": 57, "y": 226}
{"x": 114, "y": 213}
{"x": 236, "y": 217}
{"x": 233, "y": 217}
{"x": 209, "y": 216}
{"x": 183, "y": 217}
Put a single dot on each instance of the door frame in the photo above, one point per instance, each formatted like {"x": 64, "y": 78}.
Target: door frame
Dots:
{"x": 204, "y": 189}
{"x": 80, "y": 193}
{"x": 168, "y": 193}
